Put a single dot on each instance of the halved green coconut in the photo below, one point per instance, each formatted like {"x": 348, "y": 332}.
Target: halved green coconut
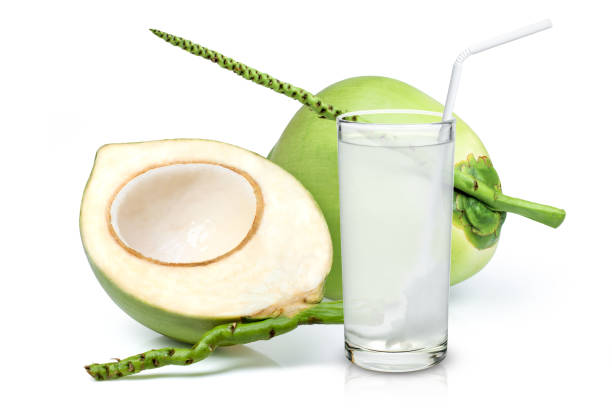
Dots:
{"x": 187, "y": 234}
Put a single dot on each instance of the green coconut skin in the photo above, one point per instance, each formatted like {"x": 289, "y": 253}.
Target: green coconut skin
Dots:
{"x": 308, "y": 150}
{"x": 179, "y": 327}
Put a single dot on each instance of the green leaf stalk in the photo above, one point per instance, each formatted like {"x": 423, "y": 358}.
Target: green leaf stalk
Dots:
{"x": 221, "y": 335}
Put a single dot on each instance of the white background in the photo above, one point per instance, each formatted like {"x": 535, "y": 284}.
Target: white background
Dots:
{"x": 532, "y": 329}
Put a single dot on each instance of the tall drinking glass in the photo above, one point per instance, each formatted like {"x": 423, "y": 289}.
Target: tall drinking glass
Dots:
{"x": 396, "y": 192}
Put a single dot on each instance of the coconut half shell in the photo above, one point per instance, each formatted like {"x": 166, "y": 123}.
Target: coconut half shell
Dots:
{"x": 186, "y": 234}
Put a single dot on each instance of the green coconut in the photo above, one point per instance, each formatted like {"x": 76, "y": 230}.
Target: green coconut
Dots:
{"x": 308, "y": 150}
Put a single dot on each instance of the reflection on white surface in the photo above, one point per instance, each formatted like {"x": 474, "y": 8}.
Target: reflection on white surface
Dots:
{"x": 427, "y": 388}
{"x": 305, "y": 346}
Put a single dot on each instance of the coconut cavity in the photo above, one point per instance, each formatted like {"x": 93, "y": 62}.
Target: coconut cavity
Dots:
{"x": 186, "y": 213}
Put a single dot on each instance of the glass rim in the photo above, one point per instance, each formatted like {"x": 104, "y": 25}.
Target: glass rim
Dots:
{"x": 341, "y": 118}
{"x": 407, "y": 126}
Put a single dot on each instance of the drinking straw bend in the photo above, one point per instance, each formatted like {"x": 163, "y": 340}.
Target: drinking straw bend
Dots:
{"x": 453, "y": 87}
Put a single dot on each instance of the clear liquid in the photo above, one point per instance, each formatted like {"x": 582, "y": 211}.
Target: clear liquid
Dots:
{"x": 396, "y": 209}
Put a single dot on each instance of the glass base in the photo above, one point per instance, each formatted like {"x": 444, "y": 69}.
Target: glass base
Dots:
{"x": 400, "y": 361}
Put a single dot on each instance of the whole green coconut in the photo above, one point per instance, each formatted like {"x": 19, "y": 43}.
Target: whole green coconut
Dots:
{"x": 308, "y": 150}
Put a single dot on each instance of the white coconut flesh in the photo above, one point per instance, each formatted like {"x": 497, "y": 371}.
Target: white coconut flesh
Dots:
{"x": 204, "y": 229}
{"x": 189, "y": 213}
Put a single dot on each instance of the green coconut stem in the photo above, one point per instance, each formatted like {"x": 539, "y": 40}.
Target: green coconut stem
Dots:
{"x": 548, "y": 215}
{"x": 222, "y": 335}
{"x": 299, "y": 94}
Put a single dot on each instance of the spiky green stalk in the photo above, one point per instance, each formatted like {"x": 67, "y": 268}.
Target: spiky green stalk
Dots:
{"x": 251, "y": 74}
{"x": 222, "y": 335}
{"x": 548, "y": 215}
{"x": 477, "y": 178}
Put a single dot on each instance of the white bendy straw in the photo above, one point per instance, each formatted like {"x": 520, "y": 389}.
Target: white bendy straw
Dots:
{"x": 477, "y": 48}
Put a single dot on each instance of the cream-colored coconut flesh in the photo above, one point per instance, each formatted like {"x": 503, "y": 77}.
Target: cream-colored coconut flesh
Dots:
{"x": 202, "y": 229}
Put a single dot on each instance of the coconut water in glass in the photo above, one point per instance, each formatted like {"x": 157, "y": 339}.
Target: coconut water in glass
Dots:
{"x": 396, "y": 190}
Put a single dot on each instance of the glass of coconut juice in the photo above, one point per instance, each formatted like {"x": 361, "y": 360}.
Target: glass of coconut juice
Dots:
{"x": 396, "y": 191}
